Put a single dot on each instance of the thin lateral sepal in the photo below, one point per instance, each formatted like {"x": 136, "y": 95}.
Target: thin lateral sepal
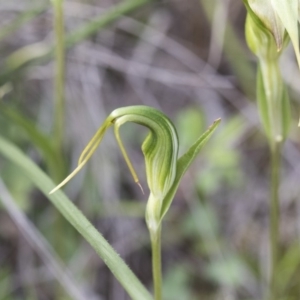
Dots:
{"x": 68, "y": 178}
{"x": 87, "y": 153}
{"x": 95, "y": 141}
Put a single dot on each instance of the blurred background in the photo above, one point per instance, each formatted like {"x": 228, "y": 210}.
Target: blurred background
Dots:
{"x": 186, "y": 58}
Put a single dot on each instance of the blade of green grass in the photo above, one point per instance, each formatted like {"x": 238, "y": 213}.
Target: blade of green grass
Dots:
{"x": 113, "y": 261}
{"x": 234, "y": 51}
{"x": 23, "y": 18}
{"x": 52, "y": 158}
{"x": 39, "y": 244}
{"x": 59, "y": 84}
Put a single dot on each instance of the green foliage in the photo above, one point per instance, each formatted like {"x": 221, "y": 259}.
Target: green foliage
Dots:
{"x": 189, "y": 123}
{"x": 120, "y": 270}
{"x": 230, "y": 271}
{"x": 224, "y": 160}
{"x": 205, "y": 253}
{"x": 176, "y": 284}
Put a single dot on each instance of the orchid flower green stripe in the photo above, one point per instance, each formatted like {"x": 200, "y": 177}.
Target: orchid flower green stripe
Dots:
{"x": 160, "y": 147}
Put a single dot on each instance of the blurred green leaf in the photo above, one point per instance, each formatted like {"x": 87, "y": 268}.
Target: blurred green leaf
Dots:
{"x": 229, "y": 271}
{"x": 19, "y": 185}
{"x": 5, "y": 279}
{"x": 20, "y": 20}
{"x": 222, "y": 159}
{"x": 41, "y": 141}
{"x": 185, "y": 161}
{"x": 42, "y": 51}
{"x": 289, "y": 267}
{"x": 190, "y": 122}
{"x": 176, "y": 284}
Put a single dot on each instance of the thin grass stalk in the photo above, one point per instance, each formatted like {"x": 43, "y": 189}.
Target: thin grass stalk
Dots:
{"x": 24, "y": 57}
{"x": 232, "y": 48}
{"x": 59, "y": 81}
{"x": 40, "y": 245}
{"x": 156, "y": 262}
{"x": 59, "y": 113}
{"x": 19, "y": 21}
{"x": 274, "y": 218}
{"x": 112, "y": 14}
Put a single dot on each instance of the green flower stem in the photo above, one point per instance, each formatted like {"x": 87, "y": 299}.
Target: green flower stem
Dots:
{"x": 156, "y": 262}
{"x": 274, "y": 218}
{"x": 273, "y": 86}
{"x": 276, "y": 130}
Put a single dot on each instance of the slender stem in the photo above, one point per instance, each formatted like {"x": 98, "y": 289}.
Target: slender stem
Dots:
{"x": 274, "y": 217}
{"x": 24, "y": 17}
{"x": 59, "y": 112}
{"x": 156, "y": 262}
{"x": 112, "y": 14}
{"x": 59, "y": 72}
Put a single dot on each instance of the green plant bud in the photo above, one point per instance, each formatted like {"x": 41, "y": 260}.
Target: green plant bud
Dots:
{"x": 265, "y": 17}
{"x": 267, "y": 33}
{"x": 260, "y": 41}
{"x": 279, "y": 18}
{"x": 272, "y": 97}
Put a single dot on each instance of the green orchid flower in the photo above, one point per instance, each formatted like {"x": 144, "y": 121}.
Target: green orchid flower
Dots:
{"x": 160, "y": 148}
{"x": 278, "y": 17}
{"x": 267, "y": 33}
{"x": 164, "y": 169}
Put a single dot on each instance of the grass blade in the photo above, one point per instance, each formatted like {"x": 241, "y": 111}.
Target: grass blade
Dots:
{"x": 39, "y": 244}
{"x": 113, "y": 261}
{"x": 41, "y": 51}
